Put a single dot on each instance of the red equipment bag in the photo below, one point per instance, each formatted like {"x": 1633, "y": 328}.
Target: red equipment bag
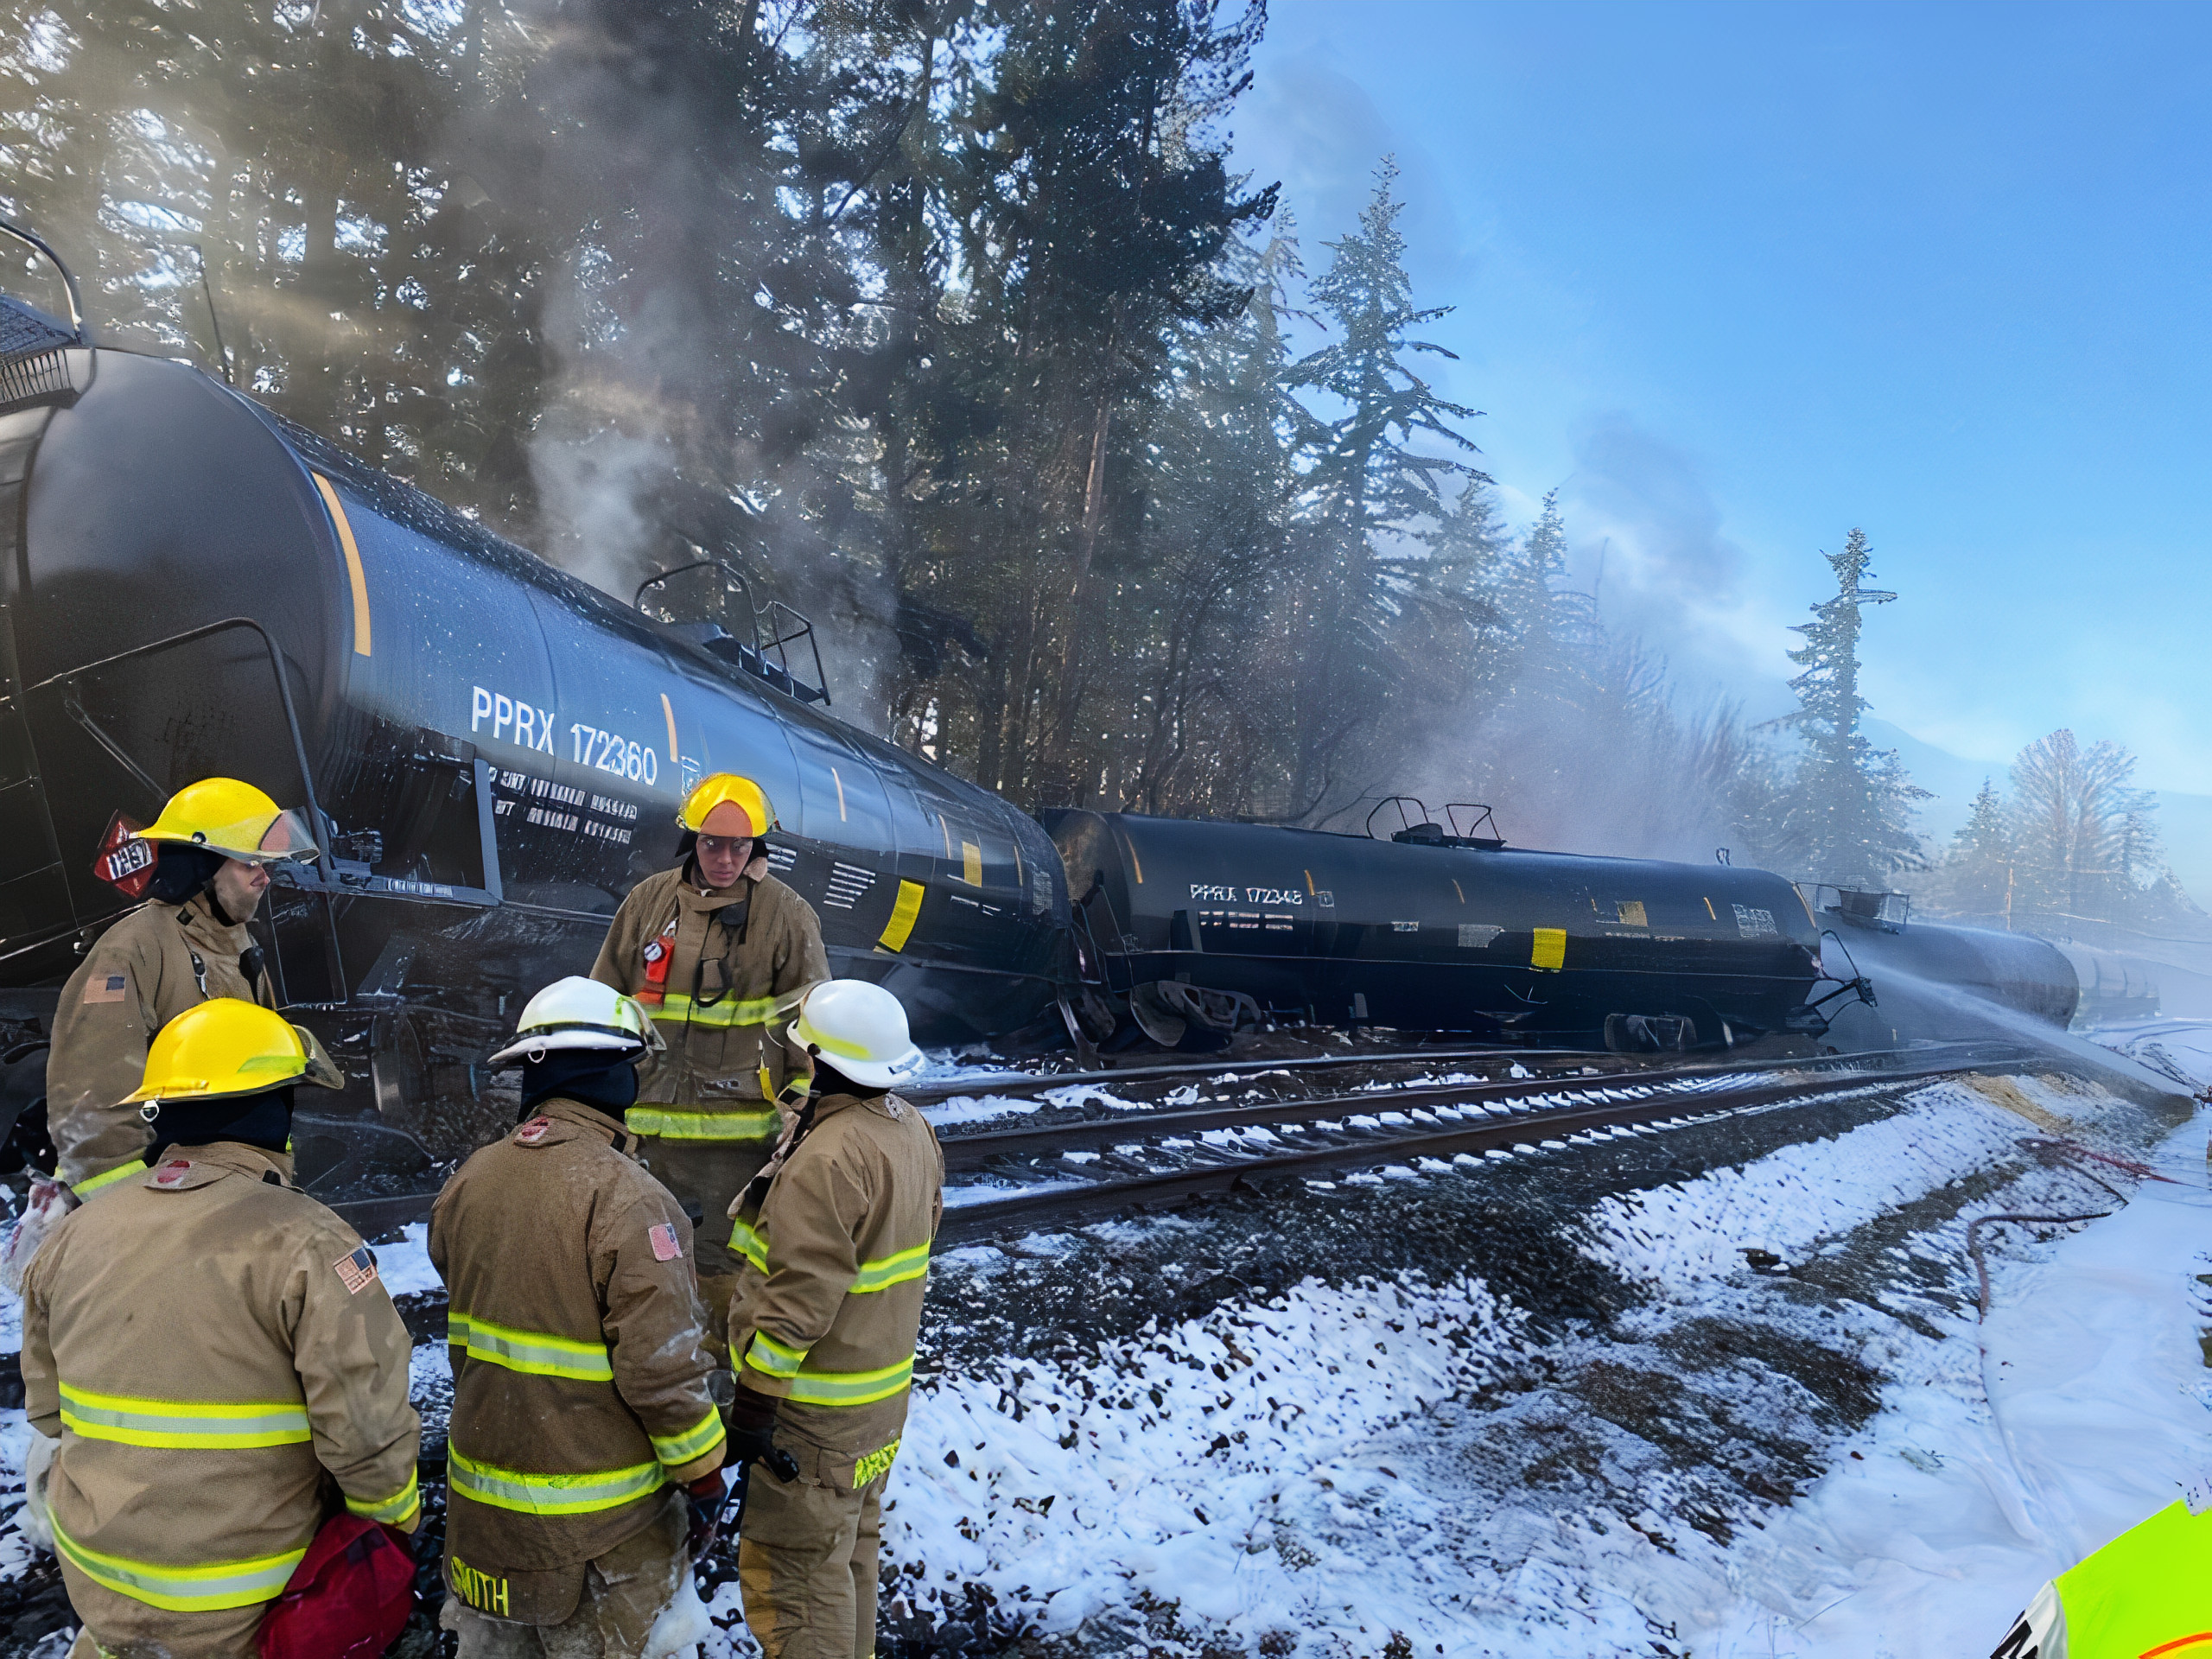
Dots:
{"x": 349, "y": 1599}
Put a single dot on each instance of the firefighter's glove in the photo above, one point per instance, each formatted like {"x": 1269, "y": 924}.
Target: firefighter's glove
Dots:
{"x": 704, "y": 1498}
{"x": 752, "y": 1426}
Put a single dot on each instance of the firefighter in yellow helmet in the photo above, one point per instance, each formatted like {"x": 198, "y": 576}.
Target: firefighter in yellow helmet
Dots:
{"x": 214, "y": 1352}
{"x": 716, "y": 951}
{"x": 216, "y": 841}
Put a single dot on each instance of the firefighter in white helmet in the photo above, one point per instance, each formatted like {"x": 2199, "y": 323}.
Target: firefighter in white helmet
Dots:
{"x": 835, "y": 1233}
{"x": 582, "y": 1470}
{"x": 716, "y": 950}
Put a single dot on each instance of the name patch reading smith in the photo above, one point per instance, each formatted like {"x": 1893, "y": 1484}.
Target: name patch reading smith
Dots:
{"x": 356, "y": 1271}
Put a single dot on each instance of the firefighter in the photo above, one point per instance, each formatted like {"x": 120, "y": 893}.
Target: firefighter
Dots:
{"x": 2145, "y": 1593}
{"x": 836, "y": 1233}
{"x": 582, "y": 1471}
{"x": 213, "y": 1350}
{"x": 715, "y": 951}
{"x": 217, "y": 839}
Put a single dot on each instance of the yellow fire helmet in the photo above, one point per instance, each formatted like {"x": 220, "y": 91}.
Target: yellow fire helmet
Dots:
{"x": 224, "y": 1047}
{"x": 717, "y": 788}
{"x": 234, "y": 819}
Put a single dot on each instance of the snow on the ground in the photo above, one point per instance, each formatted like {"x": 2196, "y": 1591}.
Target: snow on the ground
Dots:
{"x": 403, "y": 1263}
{"x": 1305, "y": 1474}
{"x": 1349, "y": 1469}
{"x": 2008, "y": 1452}
{"x": 2181, "y": 1049}
{"x": 1680, "y": 1237}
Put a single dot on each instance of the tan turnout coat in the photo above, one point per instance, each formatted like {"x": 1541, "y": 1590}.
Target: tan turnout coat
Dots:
{"x": 722, "y": 1008}
{"x": 829, "y": 1304}
{"x": 138, "y": 975}
{"x": 224, "y": 1370}
{"x": 580, "y": 1384}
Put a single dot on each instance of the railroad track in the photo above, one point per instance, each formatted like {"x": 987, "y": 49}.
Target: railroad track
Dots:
{"x": 1027, "y": 1178}
{"x": 1018, "y": 1085}
{"x": 1065, "y": 1174}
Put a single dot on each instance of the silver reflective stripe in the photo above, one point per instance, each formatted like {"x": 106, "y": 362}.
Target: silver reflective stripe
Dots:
{"x": 537, "y": 1353}
{"x": 204, "y": 1589}
{"x": 187, "y": 1425}
{"x": 539, "y": 1494}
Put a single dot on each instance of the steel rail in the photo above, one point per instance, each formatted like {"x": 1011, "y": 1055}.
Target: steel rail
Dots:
{"x": 964, "y": 1153}
{"x": 984, "y": 1219}
{"x": 1016, "y": 1085}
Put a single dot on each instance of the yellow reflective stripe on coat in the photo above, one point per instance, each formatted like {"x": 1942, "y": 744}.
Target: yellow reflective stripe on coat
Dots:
{"x": 849, "y": 1388}
{"x": 535, "y": 1353}
{"x": 678, "y": 1006}
{"x": 392, "y": 1511}
{"x": 686, "y": 1124}
{"x": 188, "y": 1425}
{"x": 529, "y": 1493}
{"x": 892, "y": 1270}
{"x": 676, "y": 1450}
{"x": 108, "y": 1178}
{"x": 773, "y": 1358}
{"x": 750, "y": 1243}
{"x": 206, "y": 1589}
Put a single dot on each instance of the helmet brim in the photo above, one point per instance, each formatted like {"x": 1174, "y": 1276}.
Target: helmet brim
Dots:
{"x": 618, "y": 1044}
{"x": 285, "y": 840}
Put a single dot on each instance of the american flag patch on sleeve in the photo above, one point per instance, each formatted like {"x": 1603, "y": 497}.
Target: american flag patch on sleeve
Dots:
{"x": 105, "y": 988}
{"x": 665, "y": 1248}
{"x": 357, "y": 1272}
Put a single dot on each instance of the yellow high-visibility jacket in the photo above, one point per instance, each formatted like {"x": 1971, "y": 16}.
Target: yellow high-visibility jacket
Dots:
{"x": 579, "y": 1379}
{"x": 828, "y": 1303}
{"x": 719, "y": 1004}
{"x": 2147, "y": 1592}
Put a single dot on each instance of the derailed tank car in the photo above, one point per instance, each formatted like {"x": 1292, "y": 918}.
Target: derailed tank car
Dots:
{"x": 1431, "y": 931}
{"x": 492, "y": 750}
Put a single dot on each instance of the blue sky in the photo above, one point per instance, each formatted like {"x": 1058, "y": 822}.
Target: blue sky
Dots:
{"x": 1738, "y": 277}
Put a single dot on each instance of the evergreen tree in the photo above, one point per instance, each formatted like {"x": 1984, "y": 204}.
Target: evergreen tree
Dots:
{"x": 1977, "y": 877}
{"x": 1848, "y": 811}
{"x": 1369, "y": 493}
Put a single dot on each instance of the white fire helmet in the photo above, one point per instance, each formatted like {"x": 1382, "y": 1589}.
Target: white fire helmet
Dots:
{"x": 860, "y": 1029}
{"x": 580, "y": 1013}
